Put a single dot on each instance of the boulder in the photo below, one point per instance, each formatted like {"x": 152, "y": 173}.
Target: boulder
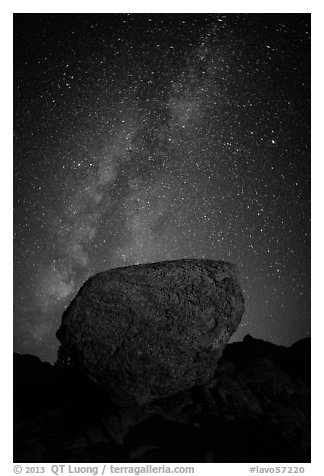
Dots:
{"x": 148, "y": 331}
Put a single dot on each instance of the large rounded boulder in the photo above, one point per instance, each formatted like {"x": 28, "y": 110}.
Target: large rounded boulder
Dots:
{"x": 149, "y": 331}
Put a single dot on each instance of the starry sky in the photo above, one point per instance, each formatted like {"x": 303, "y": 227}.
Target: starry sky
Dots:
{"x": 149, "y": 137}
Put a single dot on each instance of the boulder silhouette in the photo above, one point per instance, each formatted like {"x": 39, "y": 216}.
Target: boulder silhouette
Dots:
{"x": 149, "y": 331}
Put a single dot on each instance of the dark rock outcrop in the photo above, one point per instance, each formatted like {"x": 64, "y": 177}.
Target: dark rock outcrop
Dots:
{"x": 255, "y": 409}
{"x": 149, "y": 331}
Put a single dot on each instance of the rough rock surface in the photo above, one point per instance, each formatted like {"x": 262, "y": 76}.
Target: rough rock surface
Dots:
{"x": 149, "y": 331}
{"x": 256, "y": 409}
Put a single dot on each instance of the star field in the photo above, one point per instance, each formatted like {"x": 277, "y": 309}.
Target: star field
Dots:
{"x": 149, "y": 137}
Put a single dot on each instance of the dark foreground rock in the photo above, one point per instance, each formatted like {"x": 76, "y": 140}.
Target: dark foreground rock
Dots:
{"x": 149, "y": 331}
{"x": 255, "y": 409}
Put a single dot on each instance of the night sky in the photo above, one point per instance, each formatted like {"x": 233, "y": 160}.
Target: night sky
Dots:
{"x": 148, "y": 137}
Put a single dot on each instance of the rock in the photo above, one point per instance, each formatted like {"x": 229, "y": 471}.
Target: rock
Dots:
{"x": 256, "y": 408}
{"x": 148, "y": 331}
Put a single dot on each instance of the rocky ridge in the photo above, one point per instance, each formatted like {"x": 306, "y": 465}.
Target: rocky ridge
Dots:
{"x": 256, "y": 408}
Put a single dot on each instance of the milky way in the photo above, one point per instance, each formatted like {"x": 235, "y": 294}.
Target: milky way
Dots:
{"x": 141, "y": 138}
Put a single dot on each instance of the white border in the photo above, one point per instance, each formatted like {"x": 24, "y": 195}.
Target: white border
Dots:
{"x": 95, "y": 6}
